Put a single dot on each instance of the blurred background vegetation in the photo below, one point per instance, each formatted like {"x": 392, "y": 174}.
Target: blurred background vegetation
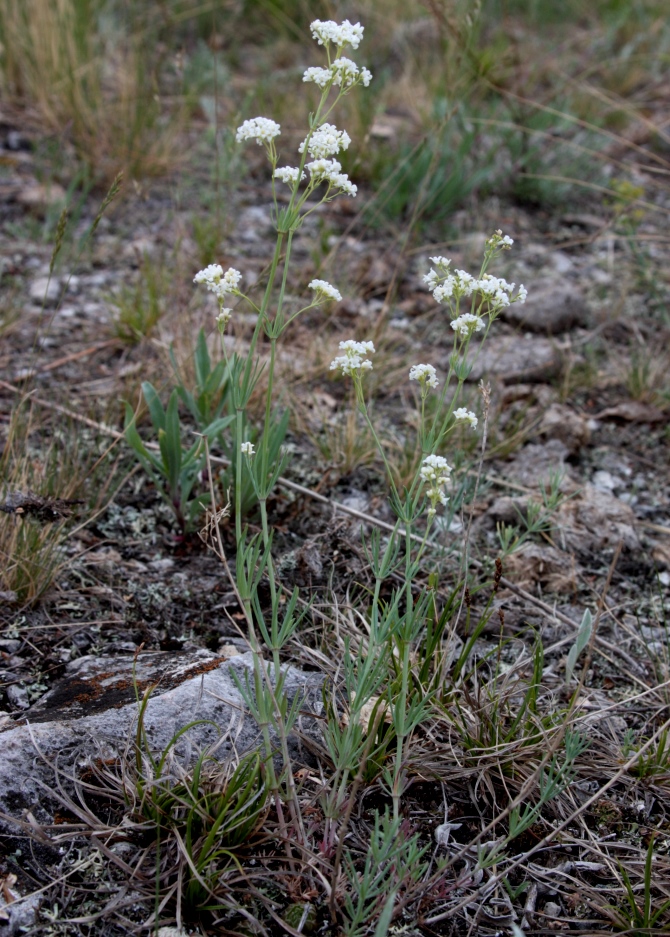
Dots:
{"x": 533, "y": 100}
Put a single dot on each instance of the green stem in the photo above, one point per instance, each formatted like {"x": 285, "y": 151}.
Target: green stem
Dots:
{"x": 239, "y": 429}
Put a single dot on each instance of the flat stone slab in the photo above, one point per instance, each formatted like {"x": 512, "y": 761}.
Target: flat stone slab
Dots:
{"x": 551, "y": 308}
{"x": 94, "y": 709}
{"x": 515, "y": 359}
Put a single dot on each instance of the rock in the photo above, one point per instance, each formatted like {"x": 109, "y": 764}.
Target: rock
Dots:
{"x": 45, "y": 290}
{"x": 594, "y": 520}
{"x": 18, "y": 696}
{"x": 632, "y": 411}
{"x": 551, "y": 308}
{"x": 563, "y": 423}
{"x": 94, "y": 709}
{"x": 38, "y": 198}
{"x": 508, "y": 510}
{"x": 537, "y": 463}
{"x": 17, "y": 914}
{"x": 534, "y": 563}
{"x": 515, "y": 359}
{"x": 605, "y": 481}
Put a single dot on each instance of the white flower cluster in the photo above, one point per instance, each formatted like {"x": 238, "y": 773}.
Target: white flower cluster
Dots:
{"x": 340, "y": 34}
{"x": 499, "y": 292}
{"x": 343, "y": 73}
{"x": 499, "y": 241}
{"x": 467, "y": 415}
{"x": 260, "y": 129}
{"x": 247, "y": 448}
{"x": 217, "y": 281}
{"x": 467, "y": 324}
{"x": 223, "y": 318}
{"x": 425, "y": 374}
{"x": 325, "y": 290}
{"x": 457, "y": 284}
{"x": 330, "y": 171}
{"x": 326, "y": 141}
{"x": 353, "y": 360}
{"x": 493, "y": 293}
{"x": 288, "y": 174}
{"x": 320, "y": 76}
{"x": 435, "y": 472}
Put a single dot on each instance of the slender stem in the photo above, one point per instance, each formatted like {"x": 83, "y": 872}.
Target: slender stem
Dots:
{"x": 239, "y": 429}
{"x": 364, "y": 410}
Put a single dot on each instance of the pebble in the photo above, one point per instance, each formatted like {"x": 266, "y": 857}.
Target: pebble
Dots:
{"x": 605, "y": 481}
{"x": 45, "y": 290}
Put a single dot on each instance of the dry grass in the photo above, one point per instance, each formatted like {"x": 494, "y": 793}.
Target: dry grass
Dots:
{"x": 100, "y": 91}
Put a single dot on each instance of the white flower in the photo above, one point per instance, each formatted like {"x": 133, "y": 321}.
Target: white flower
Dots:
{"x": 467, "y": 415}
{"x": 499, "y": 240}
{"x": 326, "y": 31}
{"x": 330, "y": 171}
{"x": 326, "y": 141}
{"x": 521, "y": 295}
{"x": 465, "y": 282}
{"x": 342, "y": 182}
{"x": 353, "y": 359}
{"x": 366, "y": 77}
{"x": 440, "y": 261}
{"x": 288, "y": 174}
{"x": 435, "y": 469}
{"x": 323, "y": 288}
{"x": 467, "y": 324}
{"x": 445, "y": 290}
{"x": 223, "y": 318}
{"x": 425, "y": 374}
{"x": 320, "y": 76}
{"x": 324, "y": 168}
{"x": 210, "y": 276}
{"x": 247, "y": 448}
{"x": 435, "y": 472}
{"x": 217, "y": 281}
{"x": 431, "y": 279}
{"x": 345, "y": 73}
{"x": 260, "y": 129}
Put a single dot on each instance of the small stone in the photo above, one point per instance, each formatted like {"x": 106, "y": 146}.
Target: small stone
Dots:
{"x": 515, "y": 359}
{"x": 508, "y": 510}
{"x": 562, "y": 422}
{"x": 551, "y": 308}
{"x": 45, "y": 290}
{"x": 593, "y": 519}
{"x": 18, "y": 696}
{"x": 537, "y": 464}
{"x": 551, "y": 909}
{"x": 554, "y": 570}
{"x": 162, "y": 565}
{"x": 605, "y": 481}
{"x": 40, "y": 197}
{"x": 9, "y": 645}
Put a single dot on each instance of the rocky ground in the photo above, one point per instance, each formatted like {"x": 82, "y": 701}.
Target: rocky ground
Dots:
{"x": 580, "y": 402}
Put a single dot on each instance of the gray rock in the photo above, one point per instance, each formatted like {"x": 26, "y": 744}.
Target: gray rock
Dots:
{"x": 537, "y": 563}
{"x": 594, "y": 520}
{"x": 536, "y": 464}
{"x": 562, "y": 422}
{"x": 45, "y": 290}
{"x": 17, "y": 916}
{"x": 515, "y": 359}
{"x": 94, "y": 709}
{"x": 551, "y": 308}
{"x": 506, "y": 510}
